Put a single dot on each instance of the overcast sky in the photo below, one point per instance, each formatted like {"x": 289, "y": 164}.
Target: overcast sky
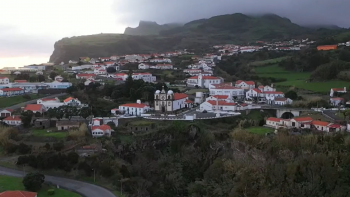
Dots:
{"x": 29, "y": 28}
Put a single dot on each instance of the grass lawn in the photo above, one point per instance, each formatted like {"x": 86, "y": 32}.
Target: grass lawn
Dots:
{"x": 9, "y": 101}
{"x": 297, "y": 79}
{"x": 260, "y": 130}
{"x": 269, "y": 61}
{"x": 44, "y": 133}
{"x": 193, "y": 91}
{"x": 15, "y": 183}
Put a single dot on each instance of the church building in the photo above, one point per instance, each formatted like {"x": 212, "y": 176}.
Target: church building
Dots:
{"x": 169, "y": 102}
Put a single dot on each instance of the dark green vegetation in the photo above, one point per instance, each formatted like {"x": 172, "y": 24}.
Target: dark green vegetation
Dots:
{"x": 14, "y": 183}
{"x": 33, "y": 181}
{"x": 146, "y": 28}
{"x": 197, "y": 35}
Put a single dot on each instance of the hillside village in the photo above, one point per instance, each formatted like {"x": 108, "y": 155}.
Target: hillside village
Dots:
{"x": 215, "y": 97}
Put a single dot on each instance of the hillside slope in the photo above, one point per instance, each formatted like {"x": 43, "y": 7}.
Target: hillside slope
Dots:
{"x": 233, "y": 28}
{"x": 146, "y": 28}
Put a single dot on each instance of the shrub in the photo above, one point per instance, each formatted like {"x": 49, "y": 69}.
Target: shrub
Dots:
{"x": 50, "y": 192}
{"x": 26, "y": 96}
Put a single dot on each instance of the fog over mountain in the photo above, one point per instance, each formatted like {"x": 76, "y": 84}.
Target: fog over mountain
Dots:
{"x": 335, "y": 12}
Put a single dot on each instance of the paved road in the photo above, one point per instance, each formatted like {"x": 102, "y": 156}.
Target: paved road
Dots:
{"x": 33, "y": 101}
{"x": 85, "y": 189}
{"x": 332, "y": 114}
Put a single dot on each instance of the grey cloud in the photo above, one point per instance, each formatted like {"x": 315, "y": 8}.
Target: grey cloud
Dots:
{"x": 15, "y": 44}
{"x": 335, "y": 12}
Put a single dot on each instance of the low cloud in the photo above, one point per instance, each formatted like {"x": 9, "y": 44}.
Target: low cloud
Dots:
{"x": 335, "y": 12}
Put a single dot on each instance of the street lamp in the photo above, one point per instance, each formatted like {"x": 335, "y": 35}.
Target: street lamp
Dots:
{"x": 94, "y": 174}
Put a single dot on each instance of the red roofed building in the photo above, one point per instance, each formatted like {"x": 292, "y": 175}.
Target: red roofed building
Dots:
{"x": 4, "y": 80}
{"x": 11, "y": 92}
{"x": 18, "y": 194}
{"x": 101, "y": 130}
{"x": 35, "y": 108}
{"x": 336, "y": 101}
{"x": 71, "y": 101}
{"x": 226, "y": 89}
{"x": 274, "y": 122}
{"x": 204, "y": 81}
{"x": 13, "y": 120}
{"x": 245, "y": 84}
{"x": 85, "y": 76}
{"x": 134, "y": 109}
{"x": 212, "y": 105}
{"x": 338, "y": 90}
{"x": 169, "y": 102}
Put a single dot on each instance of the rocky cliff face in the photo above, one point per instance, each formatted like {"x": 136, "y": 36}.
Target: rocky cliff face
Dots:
{"x": 148, "y": 28}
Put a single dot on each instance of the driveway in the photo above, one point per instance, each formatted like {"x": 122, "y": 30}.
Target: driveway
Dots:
{"x": 85, "y": 189}
{"x": 33, "y": 101}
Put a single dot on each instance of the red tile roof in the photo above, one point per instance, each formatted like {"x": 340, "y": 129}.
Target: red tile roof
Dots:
{"x": 33, "y": 107}
{"x": 10, "y": 110}
{"x": 3, "y": 77}
{"x": 103, "y": 127}
{"x": 247, "y": 82}
{"x": 188, "y": 101}
{"x": 335, "y": 126}
{"x": 18, "y": 194}
{"x": 11, "y": 89}
{"x": 178, "y": 96}
{"x": 257, "y": 90}
{"x": 274, "y": 119}
{"x": 221, "y": 103}
{"x": 136, "y": 105}
{"x": 68, "y": 99}
{"x": 303, "y": 119}
{"x": 338, "y": 89}
{"x": 17, "y": 118}
{"x": 337, "y": 99}
{"x": 320, "y": 123}
{"x": 220, "y": 96}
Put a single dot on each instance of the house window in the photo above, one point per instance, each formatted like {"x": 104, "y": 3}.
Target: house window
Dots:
{"x": 302, "y": 125}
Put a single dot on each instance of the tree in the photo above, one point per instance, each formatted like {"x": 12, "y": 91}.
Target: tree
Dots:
{"x": 71, "y": 89}
{"x": 53, "y": 75}
{"x": 111, "y": 69}
{"x": 73, "y": 157}
{"x": 58, "y": 146}
{"x": 85, "y": 112}
{"x": 26, "y": 118}
{"x": 37, "y": 114}
{"x": 33, "y": 79}
{"x": 24, "y": 149}
{"x": 291, "y": 94}
{"x": 41, "y": 78}
{"x": 51, "y": 112}
{"x": 33, "y": 181}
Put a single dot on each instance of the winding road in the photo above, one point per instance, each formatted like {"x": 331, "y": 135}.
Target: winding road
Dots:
{"x": 84, "y": 189}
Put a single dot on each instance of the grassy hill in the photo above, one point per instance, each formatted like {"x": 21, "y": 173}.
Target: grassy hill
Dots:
{"x": 198, "y": 34}
{"x": 148, "y": 28}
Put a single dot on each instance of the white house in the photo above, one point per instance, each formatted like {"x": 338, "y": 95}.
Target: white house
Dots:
{"x": 212, "y": 105}
{"x": 283, "y": 101}
{"x": 226, "y": 89}
{"x": 72, "y": 101}
{"x": 143, "y": 66}
{"x": 101, "y": 130}
{"x": 326, "y": 126}
{"x": 6, "y": 112}
{"x": 134, "y": 109}
{"x": 13, "y": 120}
{"x": 88, "y": 81}
{"x": 298, "y": 122}
{"x": 267, "y": 88}
{"x": 348, "y": 43}
{"x": 146, "y": 77}
{"x": 336, "y": 101}
{"x": 4, "y": 80}
{"x": 50, "y": 102}
{"x": 226, "y": 98}
{"x": 85, "y": 76}
{"x": 339, "y": 90}
{"x": 245, "y": 84}
{"x": 100, "y": 71}
{"x": 203, "y": 81}
{"x": 274, "y": 122}
{"x": 254, "y": 92}
{"x": 272, "y": 95}
{"x": 11, "y": 91}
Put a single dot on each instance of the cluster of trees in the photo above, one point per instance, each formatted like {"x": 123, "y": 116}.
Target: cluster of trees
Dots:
{"x": 33, "y": 181}
{"x": 26, "y": 76}
{"x": 50, "y": 160}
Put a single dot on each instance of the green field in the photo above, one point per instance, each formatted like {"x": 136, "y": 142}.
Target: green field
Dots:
{"x": 44, "y": 133}
{"x": 298, "y": 80}
{"x": 269, "y": 61}
{"x": 259, "y": 130}
{"x": 15, "y": 183}
{"x": 9, "y": 101}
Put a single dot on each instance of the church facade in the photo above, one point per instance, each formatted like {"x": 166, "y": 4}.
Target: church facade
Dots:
{"x": 169, "y": 102}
